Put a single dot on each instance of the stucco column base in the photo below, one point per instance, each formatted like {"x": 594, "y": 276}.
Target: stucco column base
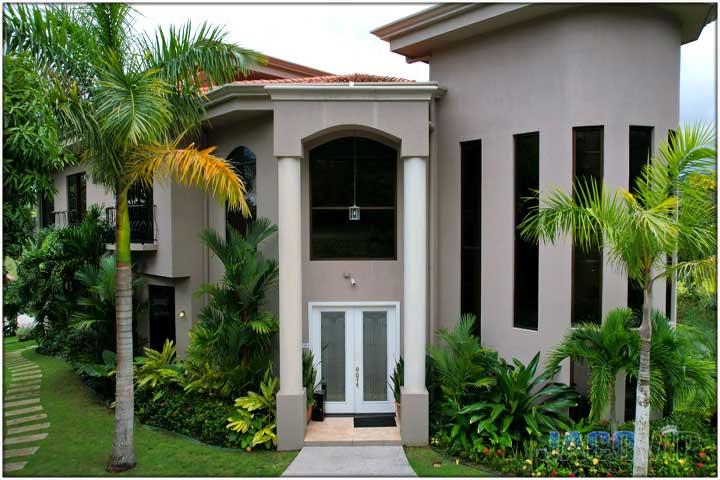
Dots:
{"x": 291, "y": 420}
{"x": 415, "y": 418}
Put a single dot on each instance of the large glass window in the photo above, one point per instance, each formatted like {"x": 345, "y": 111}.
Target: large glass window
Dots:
{"x": 471, "y": 228}
{"x": 353, "y": 183}
{"x": 587, "y": 265}
{"x": 77, "y": 201}
{"x": 244, "y": 163}
{"x": 639, "y": 156}
{"x": 527, "y": 181}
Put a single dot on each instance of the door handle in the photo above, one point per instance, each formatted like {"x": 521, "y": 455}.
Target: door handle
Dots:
{"x": 357, "y": 376}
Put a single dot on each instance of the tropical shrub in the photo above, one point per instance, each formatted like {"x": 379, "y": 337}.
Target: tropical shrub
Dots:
{"x": 92, "y": 327}
{"x": 196, "y": 416}
{"x": 606, "y": 349}
{"x": 520, "y": 406}
{"x": 397, "y": 379}
{"x": 255, "y": 418}
{"x": 230, "y": 344}
{"x": 157, "y": 370}
{"x": 46, "y": 283}
{"x": 309, "y": 375}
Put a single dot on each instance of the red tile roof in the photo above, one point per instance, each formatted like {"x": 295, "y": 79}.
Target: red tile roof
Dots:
{"x": 352, "y": 77}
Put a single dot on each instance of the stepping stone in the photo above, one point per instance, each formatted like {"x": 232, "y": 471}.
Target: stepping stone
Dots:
{"x": 22, "y": 378}
{"x": 13, "y": 467}
{"x": 19, "y": 452}
{"x": 25, "y": 439}
{"x": 33, "y": 383}
{"x": 23, "y": 382}
{"x": 23, "y": 389}
{"x": 20, "y": 403}
{"x": 21, "y": 395}
{"x": 21, "y": 370}
{"x": 22, "y": 411}
{"x": 29, "y": 428}
{"x": 31, "y": 418}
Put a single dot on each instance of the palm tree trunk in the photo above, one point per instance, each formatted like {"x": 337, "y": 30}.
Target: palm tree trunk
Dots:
{"x": 642, "y": 406}
{"x": 123, "y": 450}
{"x": 613, "y": 418}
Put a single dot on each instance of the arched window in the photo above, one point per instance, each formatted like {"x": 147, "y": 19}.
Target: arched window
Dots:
{"x": 353, "y": 183}
{"x": 243, "y": 161}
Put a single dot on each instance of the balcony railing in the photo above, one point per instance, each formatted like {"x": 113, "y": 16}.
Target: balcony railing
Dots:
{"x": 143, "y": 225}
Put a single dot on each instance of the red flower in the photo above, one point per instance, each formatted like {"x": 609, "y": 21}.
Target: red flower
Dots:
{"x": 572, "y": 474}
{"x": 700, "y": 465}
{"x": 500, "y": 452}
{"x": 174, "y": 414}
{"x": 702, "y": 454}
{"x": 554, "y": 473}
{"x": 608, "y": 475}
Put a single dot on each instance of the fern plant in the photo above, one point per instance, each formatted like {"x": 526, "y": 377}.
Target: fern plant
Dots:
{"x": 230, "y": 345}
{"x": 256, "y": 414}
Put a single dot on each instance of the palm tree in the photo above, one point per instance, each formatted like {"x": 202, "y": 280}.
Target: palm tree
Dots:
{"x": 127, "y": 102}
{"x": 606, "y": 349}
{"x": 638, "y": 230}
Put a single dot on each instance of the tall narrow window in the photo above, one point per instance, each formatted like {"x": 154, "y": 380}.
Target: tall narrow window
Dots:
{"x": 587, "y": 265}
{"x": 470, "y": 243}
{"x": 527, "y": 181}
{"x": 640, "y": 150}
{"x": 244, "y": 163}
{"x": 669, "y": 299}
{"x": 77, "y": 201}
{"x": 353, "y": 197}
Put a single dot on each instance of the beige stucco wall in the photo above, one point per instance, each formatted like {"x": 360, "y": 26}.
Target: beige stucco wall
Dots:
{"x": 610, "y": 66}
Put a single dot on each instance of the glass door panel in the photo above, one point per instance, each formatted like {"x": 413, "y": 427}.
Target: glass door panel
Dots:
{"x": 375, "y": 343}
{"x": 332, "y": 344}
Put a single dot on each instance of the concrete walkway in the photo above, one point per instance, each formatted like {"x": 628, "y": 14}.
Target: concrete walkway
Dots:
{"x": 384, "y": 461}
{"x": 25, "y": 422}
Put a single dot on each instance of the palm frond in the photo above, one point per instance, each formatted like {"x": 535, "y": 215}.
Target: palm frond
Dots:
{"x": 192, "y": 167}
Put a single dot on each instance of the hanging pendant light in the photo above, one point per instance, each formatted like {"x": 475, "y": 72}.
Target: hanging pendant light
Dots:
{"x": 354, "y": 211}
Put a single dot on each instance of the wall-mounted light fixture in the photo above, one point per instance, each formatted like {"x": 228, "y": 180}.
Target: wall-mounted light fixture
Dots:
{"x": 181, "y": 314}
{"x": 349, "y": 275}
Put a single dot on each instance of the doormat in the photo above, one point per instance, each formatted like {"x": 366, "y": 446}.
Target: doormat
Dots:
{"x": 374, "y": 421}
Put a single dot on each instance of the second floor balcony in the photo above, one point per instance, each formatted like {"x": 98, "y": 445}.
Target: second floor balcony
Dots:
{"x": 143, "y": 224}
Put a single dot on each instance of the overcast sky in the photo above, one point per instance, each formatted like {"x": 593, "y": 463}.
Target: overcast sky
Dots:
{"x": 336, "y": 38}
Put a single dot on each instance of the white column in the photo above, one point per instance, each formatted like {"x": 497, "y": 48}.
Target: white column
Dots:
{"x": 415, "y": 271}
{"x": 290, "y": 265}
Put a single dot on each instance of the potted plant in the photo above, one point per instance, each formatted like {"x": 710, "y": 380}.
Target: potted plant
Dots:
{"x": 396, "y": 380}
{"x": 309, "y": 379}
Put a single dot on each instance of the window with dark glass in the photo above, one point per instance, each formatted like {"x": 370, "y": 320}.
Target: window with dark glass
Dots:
{"x": 587, "y": 265}
{"x": 668, "y": 282}
{"x": 77, "y": 201}
{"x": 527, "y": 182}
{"x": 140, "y": 211}
{"x": 471, "y": 228}
{"x": 640, "y": 149}
{"x": 244, "y": 163}
{"x": 47, "y": 214}
{"x": 353, "y": 183}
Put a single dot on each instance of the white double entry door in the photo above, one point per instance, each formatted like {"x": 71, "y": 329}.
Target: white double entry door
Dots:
{"x": 357, "y": 346}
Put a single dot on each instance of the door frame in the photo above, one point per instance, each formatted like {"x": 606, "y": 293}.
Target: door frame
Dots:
{"x": 351, "y": 357}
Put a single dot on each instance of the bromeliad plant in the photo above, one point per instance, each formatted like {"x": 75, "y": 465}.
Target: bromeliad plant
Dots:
{"x": 255, "y": 419}
{"x": 520, "y": 406}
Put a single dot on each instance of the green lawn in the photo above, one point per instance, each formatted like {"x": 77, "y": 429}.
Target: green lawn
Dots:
{"x": 81, "y": 437}
{"x": 429, "y": 463}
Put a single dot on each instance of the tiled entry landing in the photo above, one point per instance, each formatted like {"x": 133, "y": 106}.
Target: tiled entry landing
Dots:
{"x": 339, "y": 431}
